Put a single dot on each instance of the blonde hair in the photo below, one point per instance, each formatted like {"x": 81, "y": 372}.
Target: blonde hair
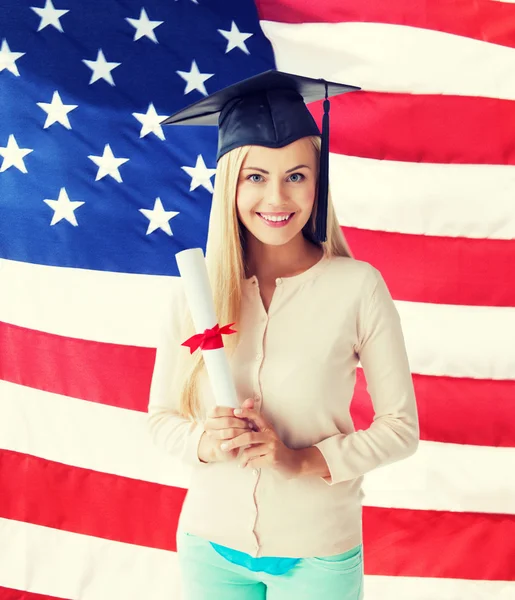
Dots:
{"x": 225, "y": 259}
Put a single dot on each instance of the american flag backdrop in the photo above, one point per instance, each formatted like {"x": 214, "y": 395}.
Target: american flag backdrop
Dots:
{"x": 96, "y": 198}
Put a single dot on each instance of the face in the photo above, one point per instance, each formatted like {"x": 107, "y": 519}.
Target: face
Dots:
{"x": 278, "y": 183}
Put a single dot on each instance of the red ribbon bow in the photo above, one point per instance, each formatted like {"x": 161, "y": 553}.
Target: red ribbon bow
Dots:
{"x": 211, "y": 339}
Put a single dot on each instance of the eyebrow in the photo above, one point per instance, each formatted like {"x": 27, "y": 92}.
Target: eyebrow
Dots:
{"x": 267, "y": 173}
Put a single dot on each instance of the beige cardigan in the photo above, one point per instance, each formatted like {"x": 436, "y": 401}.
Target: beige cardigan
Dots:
{"x": 299, "y": 363}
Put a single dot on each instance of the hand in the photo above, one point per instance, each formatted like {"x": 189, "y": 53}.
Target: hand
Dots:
{"x": 221, "y": 425}
{"x": 266, "y": 448}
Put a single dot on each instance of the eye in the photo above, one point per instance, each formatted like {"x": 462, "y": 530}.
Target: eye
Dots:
{"x": 296, "y": 177}
{"x": 252, "y": 178}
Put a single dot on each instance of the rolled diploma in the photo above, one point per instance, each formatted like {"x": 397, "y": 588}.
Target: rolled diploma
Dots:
{"x": 192, "y": 267}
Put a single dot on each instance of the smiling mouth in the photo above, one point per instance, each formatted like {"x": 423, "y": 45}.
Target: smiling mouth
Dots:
{"x": 277, "y": 221}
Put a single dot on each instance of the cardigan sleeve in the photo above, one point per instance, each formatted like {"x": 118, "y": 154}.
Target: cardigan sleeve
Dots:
{"x": 394, "y": 433}
{"x": 172, "y": 433}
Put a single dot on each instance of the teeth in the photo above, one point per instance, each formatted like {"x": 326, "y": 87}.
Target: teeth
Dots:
{"x": 275, "y": 219}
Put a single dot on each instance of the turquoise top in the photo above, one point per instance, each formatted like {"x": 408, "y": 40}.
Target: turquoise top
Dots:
{"x": 268, "y": 564}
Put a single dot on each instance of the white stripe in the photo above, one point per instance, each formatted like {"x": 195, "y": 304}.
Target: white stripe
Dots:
{"x": 394, "y": 58}
{"x": 69, "y": 565}
{"x": 103, "y": 438}
{"x": 445, "y": 477}
{"x": 432, "y": 588}
{"x": 84, "y": 434}
{"x": 424, "y": 199}
{"x": 118, "y": 308}
{"x": 457, "y": 341}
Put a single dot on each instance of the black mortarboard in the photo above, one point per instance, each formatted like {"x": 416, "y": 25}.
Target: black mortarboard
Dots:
{"x": 269, "y": 110}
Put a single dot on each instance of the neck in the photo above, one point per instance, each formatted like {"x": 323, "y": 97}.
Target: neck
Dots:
{"x": 269, "y": 262}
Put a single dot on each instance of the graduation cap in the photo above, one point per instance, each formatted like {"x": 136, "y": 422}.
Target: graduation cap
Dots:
{"x": 269, "y": 110}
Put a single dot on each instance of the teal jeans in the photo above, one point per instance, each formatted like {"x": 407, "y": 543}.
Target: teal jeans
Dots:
{"x": 206, "y": 575}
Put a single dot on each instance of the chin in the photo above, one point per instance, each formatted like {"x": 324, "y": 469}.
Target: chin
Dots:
{"x": 274, "y": 242}
{"x": 270, "y": 240}
{"x": 274, "y": 238}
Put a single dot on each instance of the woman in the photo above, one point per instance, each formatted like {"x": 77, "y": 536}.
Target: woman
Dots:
{"x": 274, "y": 505}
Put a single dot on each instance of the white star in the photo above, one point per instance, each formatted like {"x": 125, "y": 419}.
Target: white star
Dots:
{"x": 49, "y": 16}
{"x": 63, "y": 208}
{"x": 195, "y": 79}
{"x": 8, "y": 59}
{"x": 144, "y": 26}
{"x": 151, "y": 122}
{"x": 108, "y": 164}
{"x": 200, "y": 175}
{"x": 159, "y": 217}
{"x": 57, "y": 112}
{"x": 13, "y": 155}
{"x": 101, "y": 68}
{"x": 236, "y": 39}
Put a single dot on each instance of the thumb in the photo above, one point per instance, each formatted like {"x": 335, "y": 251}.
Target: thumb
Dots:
{"x": 248, "y": 403}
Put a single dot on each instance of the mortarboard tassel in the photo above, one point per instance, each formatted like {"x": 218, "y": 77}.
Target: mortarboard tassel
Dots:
{"x": 323, "y": 176}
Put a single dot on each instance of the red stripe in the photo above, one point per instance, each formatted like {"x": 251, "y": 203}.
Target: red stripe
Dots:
{"x": 482, "y": 19}
{"x": 106, "y": 373}
{"x": 487, "y": 423}
{"x": 422, "y": 128}
{"x": 425, "y": 543}
{"x": 442, "y": 402}
{"x": 441, "y": 270}
{"x": 397, "y": 542}
{"x": 12, "y": 594}
{"x": 88, "y": 502}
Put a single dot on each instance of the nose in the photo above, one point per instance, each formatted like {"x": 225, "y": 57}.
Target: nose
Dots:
{"x": 275, "y": 194}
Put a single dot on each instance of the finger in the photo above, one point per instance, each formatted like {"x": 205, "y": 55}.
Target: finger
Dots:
{"x": 254, "y": 416}
{"x": 254, "y": 451}
{"x": 229, "y": 434}
{"x": 245, "y": 439}
{"x": 254, "y": 457}
{"x": 226, "y": 423}
{"x": 249, "y": 405}
{"x": 220, "y": 411}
